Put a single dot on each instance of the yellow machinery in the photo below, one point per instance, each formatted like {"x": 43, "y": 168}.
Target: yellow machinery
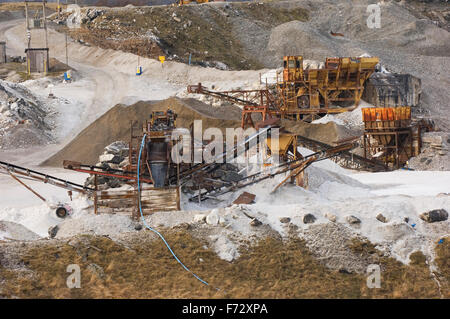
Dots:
{"x": 302, "y": 94}
{"x": 306, "y": 94}
{"x": 286, "y": 148}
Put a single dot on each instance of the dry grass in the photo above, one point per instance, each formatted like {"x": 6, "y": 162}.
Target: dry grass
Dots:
{"x": 269, "y": 269}
{"x": 205, "y": 32}
{"x": 443, "y": 263}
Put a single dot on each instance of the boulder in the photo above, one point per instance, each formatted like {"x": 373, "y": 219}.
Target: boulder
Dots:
{"x": 331, "y": 217}
{"x": 105, "y": 158}
{"x": 381, "y": 218}
{"x": 52, "y": 231}
{"x": 255, "y": 222}
{"x": 353, "y": 220}
{"x": 285, "y": 220}
{"x": 199, "y": 218}
{"x": 119, "y": 148}
{"x": 435, "y": 215}
{"x": 213, "y": 217}
{"x": 309, "y": 219}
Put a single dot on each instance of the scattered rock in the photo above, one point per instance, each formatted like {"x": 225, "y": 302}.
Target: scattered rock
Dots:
{"x": 331, "y": 217}
{"x": 213, "y": 217}
{"x": 138, "y": 227}
{"x": 285, "y": 220}
{"x": 200, "y": 218}
{"x": 435, "y": 215}
{"x": 381, "y": 218}
{"x": 255, "y": 222}
{"x": 52, "y": 231}
{"x": 231, "y": 177}
{"x": 353, "y": 220}
{"x": 222, "y": 221}
{"x": 309, "y": 219}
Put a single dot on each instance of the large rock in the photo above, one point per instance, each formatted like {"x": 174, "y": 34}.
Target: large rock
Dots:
{"x": 435, "y": 215}
{"x": 390, "y": 89}
{"x": 382, "y": 218}
{"x": 213, "y": 217}
{"x": 309, "y": 219}
{"x": 331, "y": 217}
{"x": 119, "y": 148}
{"x": 353, "y": 220}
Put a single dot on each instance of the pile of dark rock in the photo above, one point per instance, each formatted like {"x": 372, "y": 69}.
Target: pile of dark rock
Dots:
{"x": 225, "y": 175}
{"x": 114, "y": 159}
{"x": 16, "y": 59}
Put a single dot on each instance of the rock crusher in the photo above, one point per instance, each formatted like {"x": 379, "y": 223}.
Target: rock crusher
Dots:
{"x": 302, "y": 94}
{"x": 391, "y": 135}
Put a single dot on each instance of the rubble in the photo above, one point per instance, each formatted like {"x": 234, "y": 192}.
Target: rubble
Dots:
{"x": 381, "y": 218}
{"x": 115, "y": 157}
{"x": 24, "y": 119}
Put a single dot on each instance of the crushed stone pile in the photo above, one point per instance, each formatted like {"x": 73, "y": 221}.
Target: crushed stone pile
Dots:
{"x": 114, "y": 125}
{"x": 24, "y": 120}
{"x": 115, "y": 157}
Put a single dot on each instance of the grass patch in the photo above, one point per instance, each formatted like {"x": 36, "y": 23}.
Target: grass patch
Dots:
{"x": 270, "y": 268}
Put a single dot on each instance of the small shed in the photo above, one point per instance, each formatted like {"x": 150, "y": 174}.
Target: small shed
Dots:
{"x": 37, "y": 60}
{"x": 2, "y": 52}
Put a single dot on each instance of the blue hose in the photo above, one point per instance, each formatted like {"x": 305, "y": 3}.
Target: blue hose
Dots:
{"x": 154, "y": 230}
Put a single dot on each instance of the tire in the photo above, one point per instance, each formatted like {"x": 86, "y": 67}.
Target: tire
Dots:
{"x": 61, "y": 212}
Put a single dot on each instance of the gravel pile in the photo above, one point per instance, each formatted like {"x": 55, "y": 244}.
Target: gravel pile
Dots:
{"x": 24, "y": 120}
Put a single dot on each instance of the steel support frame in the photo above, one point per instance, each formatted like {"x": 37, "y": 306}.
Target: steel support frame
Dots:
{"x": 398, "y": 148}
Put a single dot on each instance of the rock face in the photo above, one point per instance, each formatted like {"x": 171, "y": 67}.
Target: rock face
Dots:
{"x": 435, "y": 215}
{"x": 390, "y": 89}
